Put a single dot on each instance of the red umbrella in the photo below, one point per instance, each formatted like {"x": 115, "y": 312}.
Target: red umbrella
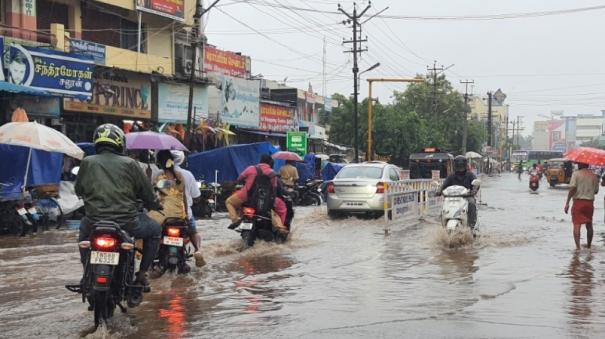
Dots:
{"x": 285, "y": 155}
{"x": 587, "y": 155}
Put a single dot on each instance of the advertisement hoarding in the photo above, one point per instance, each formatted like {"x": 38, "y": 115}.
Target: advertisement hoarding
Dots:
{"x": 173, "y": 103}
{"x": 226, "y": 63}
{"x": 276, "y": 118}
{"x": 239, "y": 101}
{"x": 173, "y": 9}
{"x": 96, "y": 51}
{"x": 52, "y": 71}
{"x": 297, "y": 142}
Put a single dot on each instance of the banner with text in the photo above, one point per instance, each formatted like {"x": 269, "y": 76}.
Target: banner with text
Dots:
{"x": 225, "y": 62}
{"x": 173, "y": 103}
{"x": 239, "y": 101}
{"x": 173, "y": 9}
{"x": 96, "y": 51}
{"x": 276, "y": 118}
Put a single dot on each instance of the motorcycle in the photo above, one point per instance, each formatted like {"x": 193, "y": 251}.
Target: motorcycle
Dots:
{"x": 206, "y": 205}
{"x": 534, "y": 181}
{"x": 173, "y": 252}
{"x": 308, "y": 194}
{"x": 257, "y": 226}
{"x": 454, "y": 214}
{"x": 109, "y": 272}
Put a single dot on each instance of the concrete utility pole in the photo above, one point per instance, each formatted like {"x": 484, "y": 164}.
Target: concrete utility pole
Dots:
{"x": 356, "y": 50}
{"x": 489, "y": 118}
{"x": 198, "y": 39}
{"x": 434, "y": 71}
{"x": 465, "y": 130}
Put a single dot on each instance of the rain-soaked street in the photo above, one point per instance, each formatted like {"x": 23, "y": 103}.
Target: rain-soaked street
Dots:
{"x": 521, "y": 278}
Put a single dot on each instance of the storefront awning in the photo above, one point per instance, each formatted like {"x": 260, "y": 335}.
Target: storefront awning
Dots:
{"x": 267, "y": 133}
{"x": 12, "y": 88}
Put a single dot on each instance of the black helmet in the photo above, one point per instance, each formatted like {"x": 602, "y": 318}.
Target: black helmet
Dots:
{"x": 109, "y": 135}
{"x": 460, "y": 164}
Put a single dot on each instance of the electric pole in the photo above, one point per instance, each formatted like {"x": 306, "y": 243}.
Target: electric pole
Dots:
{"x": 356, "y": 50}
{"x": 198, "y": 38}
{"x": 465, "y": 128}
{"x": 434, "y": 71}
{"x": 489, "y": 119}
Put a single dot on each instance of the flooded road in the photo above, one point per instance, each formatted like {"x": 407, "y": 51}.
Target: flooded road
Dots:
{"x": 342, "y": 279}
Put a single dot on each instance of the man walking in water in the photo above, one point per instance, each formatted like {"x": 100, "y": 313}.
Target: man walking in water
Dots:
{"x": 584, "y": 185}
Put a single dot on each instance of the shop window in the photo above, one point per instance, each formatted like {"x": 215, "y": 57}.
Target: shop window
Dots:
{"x": 49, "y": 12}
{"x": 111, "y": 29}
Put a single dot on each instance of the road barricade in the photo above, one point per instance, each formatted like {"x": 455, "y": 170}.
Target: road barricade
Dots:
{"x": 412, "y": 199}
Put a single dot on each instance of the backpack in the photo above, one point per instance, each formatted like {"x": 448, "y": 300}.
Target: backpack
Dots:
{"x": 262, "y": 193}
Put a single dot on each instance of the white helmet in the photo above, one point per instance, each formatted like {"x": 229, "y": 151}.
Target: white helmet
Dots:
{"x": 179, "y": 157}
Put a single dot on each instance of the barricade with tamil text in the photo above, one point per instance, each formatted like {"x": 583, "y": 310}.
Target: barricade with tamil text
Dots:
{"x": 412, "y": 199}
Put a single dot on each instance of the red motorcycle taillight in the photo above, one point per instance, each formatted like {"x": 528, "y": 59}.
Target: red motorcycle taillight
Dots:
{"x": 330, "y": 188}
{"x": 249, "y": 211}
{"x": 173, "y": 231}
{"x": 105, "y": 242}
{"x": 101, "y": 280}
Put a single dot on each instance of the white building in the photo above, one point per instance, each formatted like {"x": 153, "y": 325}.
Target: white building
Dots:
{"x": 540, "y": 136}
{"x": 588, "y": 127}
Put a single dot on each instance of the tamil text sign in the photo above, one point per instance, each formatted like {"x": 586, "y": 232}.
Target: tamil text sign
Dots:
{"x": 227, "y": 63}
{"x": 297, "y": 142}
{"x": 276, "y": 118}
{"x": 123, "y": 94}
{"x": 174, "y": 9}
{"x": 52, "y": 71}
{"x": 173, "y": 103}
{"x": 96, "y": 51}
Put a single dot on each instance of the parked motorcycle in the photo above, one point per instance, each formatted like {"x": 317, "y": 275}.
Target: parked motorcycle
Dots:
{"x": 308, "y": 194}
{"x": 534, "y": 181}
{"x": 173, "y": 252}
{"x": 109, "y": 272}
{"x": 454, "y": 214}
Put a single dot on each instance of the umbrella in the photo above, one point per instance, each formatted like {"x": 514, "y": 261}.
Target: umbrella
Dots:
{"x": 587, "y": 155}
{"x": 285, "y": 155}
{"x": 154, "y": 141}
{"x": 473, "y": 155}
{"x": 36, "y": 136}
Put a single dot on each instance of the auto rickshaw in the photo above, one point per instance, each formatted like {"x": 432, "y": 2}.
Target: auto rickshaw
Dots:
{"x": 558, "y": 171}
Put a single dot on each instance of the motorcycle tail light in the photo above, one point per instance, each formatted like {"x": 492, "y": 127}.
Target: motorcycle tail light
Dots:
{"x": 330, "y": 188}
{"x": 101, "y": 280}
{"x": 105, "y": 242}
{"x": 380, "y": 187}
{"x": 249, "y": 211}
{"x": 84, "y": 244}
{"x": 173, "y": 231}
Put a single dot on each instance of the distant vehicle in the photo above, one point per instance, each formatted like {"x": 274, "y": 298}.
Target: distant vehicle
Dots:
{"x": 558, "y": 171}
{"x": 531, "y": 157}
{"x": 360, "y": 188}
{"x": 338, "y": 158}
{"x": 431, "y": 159}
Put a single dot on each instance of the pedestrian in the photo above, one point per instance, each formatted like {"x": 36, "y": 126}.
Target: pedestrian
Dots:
{"x": 584, "y": 185}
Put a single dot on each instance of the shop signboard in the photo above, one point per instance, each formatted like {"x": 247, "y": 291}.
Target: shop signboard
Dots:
{"x": 226, "y": 63}
{"x": 96, "y": 51}
{"x": 276, "y": 118}
{"x": 173, "y": 103}
{"x": 173, "y": 9}
{"x": 41, "y": 106}
{"x": 239, "y": 101}
{"x": 123, "y": 94}
{"x": 297, "y": 143}
{"x": 56, "y": 72}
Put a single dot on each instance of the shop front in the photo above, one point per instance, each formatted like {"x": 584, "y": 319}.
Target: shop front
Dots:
{"x": 118, "y": 97}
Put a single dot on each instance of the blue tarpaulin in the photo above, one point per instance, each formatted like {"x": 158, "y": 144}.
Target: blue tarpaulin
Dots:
{"x": 306, "y": 169}
{"x": 330, "y": 170}
{"x": 88, "y": 148}
{"x": 45, "y": 168}
{"x": 229, "y": 161}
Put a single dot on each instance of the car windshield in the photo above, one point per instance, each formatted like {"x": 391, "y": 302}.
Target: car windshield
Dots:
{"x": 360, "y": 172}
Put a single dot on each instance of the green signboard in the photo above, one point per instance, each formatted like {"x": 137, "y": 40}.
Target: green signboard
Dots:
{"x": 297, "y": 143}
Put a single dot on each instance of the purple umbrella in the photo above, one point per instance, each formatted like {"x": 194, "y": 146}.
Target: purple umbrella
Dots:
{"x": 154, "y": 141}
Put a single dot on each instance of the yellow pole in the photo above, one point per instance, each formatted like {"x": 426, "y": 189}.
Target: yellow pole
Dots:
{"x": 369, "y": 155}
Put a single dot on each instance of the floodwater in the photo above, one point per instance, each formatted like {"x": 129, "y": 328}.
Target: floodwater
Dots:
{"x": 342, "y": 279}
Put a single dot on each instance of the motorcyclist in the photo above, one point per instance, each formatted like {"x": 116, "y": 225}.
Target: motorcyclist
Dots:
{"x": 463, "y": 177}
{"x": 111, "y": 184}
{"x": 520, "y": 169}
{"x": 534, "y": 170}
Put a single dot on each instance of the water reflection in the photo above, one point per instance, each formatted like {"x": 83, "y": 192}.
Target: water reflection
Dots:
{"x": 581, "y": 275}
{"x": 174, "y": 316}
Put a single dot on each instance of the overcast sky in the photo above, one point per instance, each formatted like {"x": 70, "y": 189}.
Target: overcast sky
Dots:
{"x": 543, "y": 63}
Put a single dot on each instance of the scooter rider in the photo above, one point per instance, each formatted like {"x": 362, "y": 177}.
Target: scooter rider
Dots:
{"x": 111, "y": 184}
{"x": 463, "y": 177}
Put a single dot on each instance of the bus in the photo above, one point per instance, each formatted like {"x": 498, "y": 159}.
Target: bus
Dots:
{"x": 530, "y": 157}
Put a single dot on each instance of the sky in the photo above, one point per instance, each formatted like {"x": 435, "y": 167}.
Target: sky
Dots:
{"x": 543, "y": 63}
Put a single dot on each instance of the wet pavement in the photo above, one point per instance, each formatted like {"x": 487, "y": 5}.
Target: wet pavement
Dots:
{"x": 342, "y": 279}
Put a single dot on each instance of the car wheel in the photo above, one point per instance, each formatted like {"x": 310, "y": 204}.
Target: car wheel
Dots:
{"x": 334, "y": 214}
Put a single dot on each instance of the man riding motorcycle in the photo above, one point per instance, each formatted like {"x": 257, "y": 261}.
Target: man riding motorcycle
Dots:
{"x": 111, "y": 184}
{"x": 463, "y": 177}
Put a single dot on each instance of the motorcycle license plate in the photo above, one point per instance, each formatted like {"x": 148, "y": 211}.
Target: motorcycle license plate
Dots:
{"x": 246, "y": 226}
{"x": 32, "y": 211}
{"x": 22, "y": 211}
{"x": 104, "y": 258}
{"x": 173, "y": 241}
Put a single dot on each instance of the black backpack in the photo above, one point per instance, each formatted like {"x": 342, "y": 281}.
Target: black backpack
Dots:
{"x": 262, "y": 193}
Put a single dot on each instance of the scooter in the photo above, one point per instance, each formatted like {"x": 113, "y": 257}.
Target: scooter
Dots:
{"x": 534, "y": 181}
{"x": 454, "y": 213}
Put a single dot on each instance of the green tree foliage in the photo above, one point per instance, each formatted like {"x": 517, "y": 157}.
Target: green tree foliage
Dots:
{"x": 412, "y": 121}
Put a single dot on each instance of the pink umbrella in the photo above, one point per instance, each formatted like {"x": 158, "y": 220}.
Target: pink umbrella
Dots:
{"x": 285, "y": 155}
{"x": 153, "y": 141}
